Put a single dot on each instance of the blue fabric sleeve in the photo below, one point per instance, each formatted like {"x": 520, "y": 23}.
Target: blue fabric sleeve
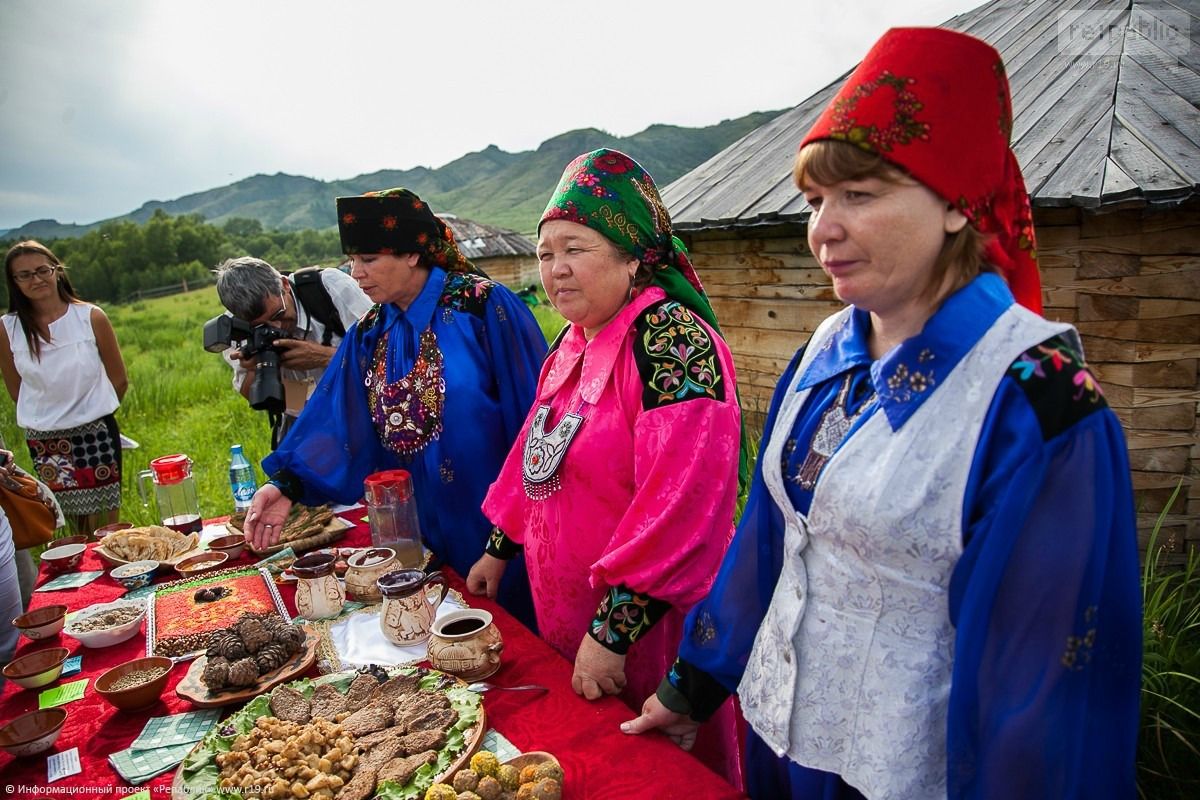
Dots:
{"x": 719, "y": 630}
{"x": 333, "y": 444}
{"x": 1047, "y": 609}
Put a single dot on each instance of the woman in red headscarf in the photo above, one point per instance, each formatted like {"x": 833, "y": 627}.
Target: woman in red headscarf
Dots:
{"x": 933, "y": 590}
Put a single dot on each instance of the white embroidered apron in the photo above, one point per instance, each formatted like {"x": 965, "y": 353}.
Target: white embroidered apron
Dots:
{"x": 850, "y": 670}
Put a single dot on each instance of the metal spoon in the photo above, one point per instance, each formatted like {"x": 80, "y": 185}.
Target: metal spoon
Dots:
{"x": 484, "y": 686}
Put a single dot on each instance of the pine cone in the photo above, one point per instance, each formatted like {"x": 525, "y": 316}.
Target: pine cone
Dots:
{"x": 216, "y": 673}
{"x": 253, "y": 634}
{"x": 243, "y": 672}
{"x": 271, "y": 657}
{"x": 290, "y": 637}
{"x": 228, "y": 645}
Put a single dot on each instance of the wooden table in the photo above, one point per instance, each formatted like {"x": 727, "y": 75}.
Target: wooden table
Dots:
{"x": 599, "y": 760}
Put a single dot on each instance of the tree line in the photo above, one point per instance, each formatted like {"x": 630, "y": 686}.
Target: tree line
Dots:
{"x": 119, "y": 259}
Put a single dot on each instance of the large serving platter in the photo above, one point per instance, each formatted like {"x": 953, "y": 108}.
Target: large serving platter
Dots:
{"x": 197, "y": 775}
{"x": 261, "y": 596}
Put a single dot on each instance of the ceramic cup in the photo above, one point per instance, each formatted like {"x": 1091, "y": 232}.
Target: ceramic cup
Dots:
{"x": 466, "y": 643}
{"x": 365, "y": 568}
{"x": 408, "y": 609}
{"x": 318, "y": 593}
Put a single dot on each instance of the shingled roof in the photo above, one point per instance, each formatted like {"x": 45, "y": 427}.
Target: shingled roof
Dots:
{"x": 477, "y": 240}
{"x": 1100, "y": 122}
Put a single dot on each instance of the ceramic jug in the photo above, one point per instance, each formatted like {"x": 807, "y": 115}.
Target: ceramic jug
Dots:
{"x": 318, "y": 593}
{"x": 365, "y": 568}
{"x": 466, "y": 644}
{"x": 408, "y": 610}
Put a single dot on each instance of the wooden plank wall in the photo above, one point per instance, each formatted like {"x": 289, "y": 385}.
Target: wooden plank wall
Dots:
{"x": 1128, "y": 280}
{"x": 515, "y": 272}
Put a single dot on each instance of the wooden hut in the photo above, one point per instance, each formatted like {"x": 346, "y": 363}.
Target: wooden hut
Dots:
{"x": 1107, "y": 131}
{"x": 506, "y": 256}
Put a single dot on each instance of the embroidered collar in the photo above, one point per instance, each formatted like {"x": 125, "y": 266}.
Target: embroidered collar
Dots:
{"x": 911, "y": 372}
{"x": 599, "y": 355}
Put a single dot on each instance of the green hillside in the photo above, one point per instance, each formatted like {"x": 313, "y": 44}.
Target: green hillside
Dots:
{"x": 490, "y": 186}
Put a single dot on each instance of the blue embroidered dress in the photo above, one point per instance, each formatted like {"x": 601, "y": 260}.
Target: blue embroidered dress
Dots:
{"x": 1044, "y": 599}
{"x": 441, "y": 390}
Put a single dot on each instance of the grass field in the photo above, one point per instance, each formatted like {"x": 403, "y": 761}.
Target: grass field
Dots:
{"x": 181, "y": 400}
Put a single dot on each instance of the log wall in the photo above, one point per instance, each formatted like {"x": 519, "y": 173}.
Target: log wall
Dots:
{"x": 1128, "y": 280}
{"x": 515, "y": 272}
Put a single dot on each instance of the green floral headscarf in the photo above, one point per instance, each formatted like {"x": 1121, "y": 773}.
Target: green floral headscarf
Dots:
{"x": 612, "y": 194}
{"x": 609, "y": 192}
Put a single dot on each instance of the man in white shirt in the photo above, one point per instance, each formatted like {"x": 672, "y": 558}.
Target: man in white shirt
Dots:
{"x": 316, "y": 316}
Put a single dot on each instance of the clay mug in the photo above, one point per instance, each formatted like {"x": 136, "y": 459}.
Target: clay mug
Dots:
{"x": 318, "y": 593}
{"x": 365, "y": 568}
{"x": 466, "y": 644}
{"x": 408, "y": 610}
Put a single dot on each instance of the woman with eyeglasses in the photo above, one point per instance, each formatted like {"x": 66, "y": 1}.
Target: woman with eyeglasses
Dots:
{"x": 63, "y": 368}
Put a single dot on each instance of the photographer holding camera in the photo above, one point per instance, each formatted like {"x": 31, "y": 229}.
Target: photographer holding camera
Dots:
{"x": 281, "y": 331}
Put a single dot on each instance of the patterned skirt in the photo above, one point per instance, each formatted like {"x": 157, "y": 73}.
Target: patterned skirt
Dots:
{"x": 81, "y": 465}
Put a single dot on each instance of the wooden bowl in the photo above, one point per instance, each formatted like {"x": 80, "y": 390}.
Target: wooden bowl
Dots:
{"x": 78, "y": 538}
{"x": 101, "y": 532}
{"x": 142, "y": 695}
{"x": 36, "y": 669}
{"x": 41, "y": 623}
{"x": 534, "y": 758}
{"x": 30, "y": 734}
{"x": 63, "y": 558}
{"x": 199, "y": 564}
{"x": 231, "y": 545}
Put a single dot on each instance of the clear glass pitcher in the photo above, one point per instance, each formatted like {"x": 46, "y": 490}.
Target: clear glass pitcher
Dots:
{"x": 174, "y": 492}
{"x": 392, "y": 511}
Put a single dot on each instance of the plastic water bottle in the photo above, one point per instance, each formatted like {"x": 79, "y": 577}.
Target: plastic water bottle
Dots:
{"x": 241, "y": 479}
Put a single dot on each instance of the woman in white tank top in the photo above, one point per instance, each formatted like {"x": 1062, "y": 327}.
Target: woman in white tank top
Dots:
{"x": 62, "y": 367}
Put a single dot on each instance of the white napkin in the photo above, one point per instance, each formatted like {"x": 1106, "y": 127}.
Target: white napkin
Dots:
{"x": 359, "y": 641}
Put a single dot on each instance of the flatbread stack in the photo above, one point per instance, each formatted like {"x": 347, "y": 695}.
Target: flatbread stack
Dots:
{"x": 150, "y": 543}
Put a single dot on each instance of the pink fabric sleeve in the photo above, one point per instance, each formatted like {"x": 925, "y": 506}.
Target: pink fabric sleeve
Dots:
{"x": 671, "y": 540}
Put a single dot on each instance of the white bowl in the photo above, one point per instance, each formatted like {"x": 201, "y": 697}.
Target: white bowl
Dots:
{"x": 134, "y": 575}
{"x": 107, "y": 636}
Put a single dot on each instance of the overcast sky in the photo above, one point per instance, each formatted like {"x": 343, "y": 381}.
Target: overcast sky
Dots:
{"x": 105, "y": 104}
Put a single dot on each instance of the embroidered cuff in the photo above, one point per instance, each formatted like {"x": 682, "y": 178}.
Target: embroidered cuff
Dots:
{"x": 501, "y": 546}
{"x": 692, "y": 691}
{"x": 623, "y": 616}
{"x": 287, "y": 482}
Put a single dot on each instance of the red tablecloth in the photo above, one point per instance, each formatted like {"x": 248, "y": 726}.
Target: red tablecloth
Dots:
{"x": 599, "y": 760}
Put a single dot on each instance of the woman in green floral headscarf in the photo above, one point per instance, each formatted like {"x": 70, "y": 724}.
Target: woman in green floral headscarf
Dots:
{"x": 621, "y": 487}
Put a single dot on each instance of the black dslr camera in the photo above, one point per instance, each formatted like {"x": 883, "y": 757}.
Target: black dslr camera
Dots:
{"x": 258, "y": 342}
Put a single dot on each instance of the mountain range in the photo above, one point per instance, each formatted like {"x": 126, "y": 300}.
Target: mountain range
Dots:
{"x": 508, "y": 190}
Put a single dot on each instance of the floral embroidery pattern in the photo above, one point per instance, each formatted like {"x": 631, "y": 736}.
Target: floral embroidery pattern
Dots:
{"x": 703, "y": 629}
{"x": 408, "y": 413}
{"x": 676, "y": 357}
{"x": 624, "y": 615}
{"x": 1058, "y": 384}
{"x": 466, "y": 292}
{"x": 446, "y": 470}
{"x": 1078, "y": 653}
{"x": 904, "y": 383}
{"x": 902, "y": 129}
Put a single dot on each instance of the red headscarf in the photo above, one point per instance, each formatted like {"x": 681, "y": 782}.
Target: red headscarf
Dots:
{"x": 935, "y": 103}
